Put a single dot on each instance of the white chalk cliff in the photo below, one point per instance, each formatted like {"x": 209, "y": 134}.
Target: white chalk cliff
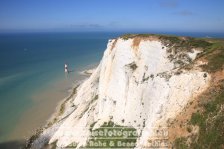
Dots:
{"x": 135, "y": 85}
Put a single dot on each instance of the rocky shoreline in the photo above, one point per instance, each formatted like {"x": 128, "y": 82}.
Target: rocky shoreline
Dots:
{"x": 64, "y": 108}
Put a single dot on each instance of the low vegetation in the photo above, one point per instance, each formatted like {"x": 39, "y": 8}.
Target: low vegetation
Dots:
{"x": 215, "y": 56}
{"x": 129, "y": 36}
{"x": 210, "y": 121}
{"x": 180, "y": 143}
{"x": 113, "y": 136}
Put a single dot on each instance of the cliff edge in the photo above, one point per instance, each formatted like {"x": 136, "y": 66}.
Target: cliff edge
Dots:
{"x": 143, "y": 83}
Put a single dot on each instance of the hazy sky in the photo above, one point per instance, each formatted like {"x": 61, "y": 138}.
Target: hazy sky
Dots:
{"x": 104, "y": 15}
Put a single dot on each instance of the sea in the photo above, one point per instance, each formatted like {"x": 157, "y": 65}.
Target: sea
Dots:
{"x": 32, "y": 78}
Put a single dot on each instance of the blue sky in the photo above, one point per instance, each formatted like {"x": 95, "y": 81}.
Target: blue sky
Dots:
{"x": 113, "y": 15}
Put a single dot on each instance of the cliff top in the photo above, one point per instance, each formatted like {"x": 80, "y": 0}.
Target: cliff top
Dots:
{"x": 212, "y": 49}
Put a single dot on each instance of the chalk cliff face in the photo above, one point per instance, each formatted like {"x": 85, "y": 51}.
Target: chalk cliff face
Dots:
{"x": 140, "y": 82}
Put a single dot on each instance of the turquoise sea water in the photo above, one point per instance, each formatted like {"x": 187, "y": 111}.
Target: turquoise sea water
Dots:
{"x": 28, "y": 62}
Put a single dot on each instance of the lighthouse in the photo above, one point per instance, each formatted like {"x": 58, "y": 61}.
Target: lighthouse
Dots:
{"x": 66, "y": 68}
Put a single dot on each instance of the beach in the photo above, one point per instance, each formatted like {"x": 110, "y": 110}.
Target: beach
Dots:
{"x": 63, "y": 109}
{"x": 44, "y": 112}
{"x": 34, "y": 116}
{"x": 44, "y": 103}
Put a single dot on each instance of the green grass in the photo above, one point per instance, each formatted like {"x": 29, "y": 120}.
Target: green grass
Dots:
{"x": 188, "y": 42}
{"x": 215, "y": 62}
{"x": 111, "y": 141}
{"x": 180, "y": 143}
{"x": 198, "y": 43}
{"x": 127, "y": 36}
{"x": 197, "y": 118}
{"x": 210, "y": 122}
{"x": 215, "y": 56}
